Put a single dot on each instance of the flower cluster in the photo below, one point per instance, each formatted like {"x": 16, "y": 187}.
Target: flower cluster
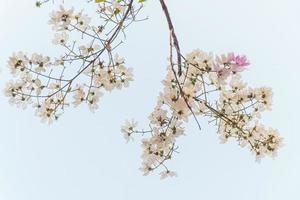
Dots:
{"x": 209, "y": 86}
{"x": 203, "y": 85}
{"x": 88, "y": 67}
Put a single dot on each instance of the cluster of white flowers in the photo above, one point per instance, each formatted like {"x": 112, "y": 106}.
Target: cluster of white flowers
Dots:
{"x": 88, "y": 67}
{"x": 35, "y": 85}
{"x": 209, "y": 86}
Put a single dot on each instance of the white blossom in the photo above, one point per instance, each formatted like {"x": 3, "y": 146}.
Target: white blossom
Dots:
{"x": 128, "y": 129}
{"x": 61, "y": 19}
{"x": 60, "y": 38}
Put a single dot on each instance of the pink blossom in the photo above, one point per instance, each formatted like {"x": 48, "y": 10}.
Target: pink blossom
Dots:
{"x": 230, "y": 63}
{"x": 241, "y": 60}
{"x": 240, "y": 63}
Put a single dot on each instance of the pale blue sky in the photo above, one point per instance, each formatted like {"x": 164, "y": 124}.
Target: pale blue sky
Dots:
{"x": 84, "y": 156}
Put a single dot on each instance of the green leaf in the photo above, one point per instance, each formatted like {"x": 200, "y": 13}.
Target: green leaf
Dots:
{"x": 99, "y": 1}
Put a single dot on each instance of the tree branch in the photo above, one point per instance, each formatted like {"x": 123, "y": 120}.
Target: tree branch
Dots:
{"x": 173, "y": 34}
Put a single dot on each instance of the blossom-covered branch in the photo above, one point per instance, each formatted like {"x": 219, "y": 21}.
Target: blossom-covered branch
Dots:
{"x": 208, "y": 86}
{"x": 88, "y": 66}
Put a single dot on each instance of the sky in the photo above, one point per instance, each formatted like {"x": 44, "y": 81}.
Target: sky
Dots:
{"x": 84, "y": 156}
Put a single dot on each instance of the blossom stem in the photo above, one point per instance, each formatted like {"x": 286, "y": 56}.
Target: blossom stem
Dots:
{"x": 173, "y": 34}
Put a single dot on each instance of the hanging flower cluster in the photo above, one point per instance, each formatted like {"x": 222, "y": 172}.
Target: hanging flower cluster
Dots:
{"x": 88, "y": 66}
{"x": 210, "y": 86}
